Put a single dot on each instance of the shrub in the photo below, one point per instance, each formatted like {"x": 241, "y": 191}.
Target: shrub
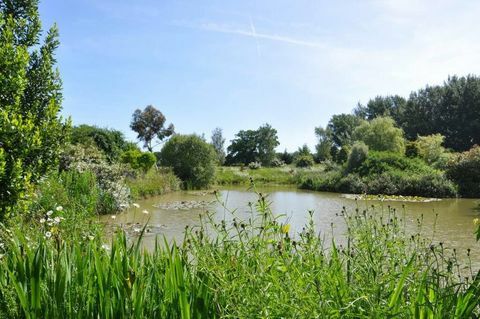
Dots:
{"x": 110, "y": 177}
{"x": 464, "y": 169}
{"x": 32, "y": 131}
{"x": 305, "y": 160}
{"x": 146, "y": 161}
{"x": 343, "y": 154}
{"x": 192, "y": 160}
{"x": 357, "y": 156}
{"x": 380, "y": 162}
{"x": 277, "y": 163}
{"x": 430, "y": 147}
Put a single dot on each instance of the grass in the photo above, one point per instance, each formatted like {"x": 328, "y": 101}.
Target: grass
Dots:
{"x": 154, "y": 182}
{"x": 286, "y": 175}
{"x": 236, "y": 268}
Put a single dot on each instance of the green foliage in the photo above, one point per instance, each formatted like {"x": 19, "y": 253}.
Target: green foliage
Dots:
{"x": 191, "y": 158}
{"x": 383, "y": 173}
{"x": 464, "y": 169}
{"x": 343, "y": 154}
{"x": 450, "y": 109}
{"x": 304, "y": 160}
{"x": 253, "y": 146}
{"x": 111, "y": 142}
{"x": 110, "y": 177}
{"x": 286, "y": 157}
{"x": 235, "y": 268}
{"x": 218, "y": 143}
{"x": 150, "y": 124}
{"x": 358, "y": 155}
{"x": 154, "y": 182}
{"x": 430, "y": 147}
{"x": 391, "y": 106}
{"x": 261, "y": 176}
{"x": 146, "y": 161}
{"x": 381, "y": 134}
{"x": 31, "y": 131}
{"x": 340, "y": 129}
{"x": 324, "y": 145}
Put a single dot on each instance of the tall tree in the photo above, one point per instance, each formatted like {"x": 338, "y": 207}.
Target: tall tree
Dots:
{"x": 31, "y": 130}
{"x": 150, "y": 124}
{"x": 342, "y": 127}
{"x": 218, "y": 143}
{"x": 393, "y": 106}
{"x": 324, "y": 145}
{"x": 253, "y": 146}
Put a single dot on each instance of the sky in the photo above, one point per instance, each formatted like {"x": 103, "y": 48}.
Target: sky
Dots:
{"x": 239, "y": 64}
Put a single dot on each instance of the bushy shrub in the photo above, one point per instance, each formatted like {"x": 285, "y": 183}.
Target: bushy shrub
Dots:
{"x": 138, "y": 160}
{"x": 464, "y": 169}
{"x": 305, "y": 160}
{"x": 110, "y": 177}
{"x": 357, "y": 156}
{"x": 351, "y": 184}
{"x": 192, "y": 160}
{"x": 430, "y": 148}
{"x": 380, "y": 162}
{"x": 276, "y": 162}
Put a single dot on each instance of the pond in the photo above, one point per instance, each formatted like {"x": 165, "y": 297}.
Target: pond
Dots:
{"x": 447, "y": 220}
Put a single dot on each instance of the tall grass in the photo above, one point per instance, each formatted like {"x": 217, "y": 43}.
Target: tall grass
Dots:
{"x": 154, "y": 182}
{"x": 234, "y": 268}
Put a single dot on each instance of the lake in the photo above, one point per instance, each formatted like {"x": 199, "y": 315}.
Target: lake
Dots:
{"x": 169, "y": 214}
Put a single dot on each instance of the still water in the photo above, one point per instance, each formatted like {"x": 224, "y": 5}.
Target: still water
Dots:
{"x": 169, "y": 214}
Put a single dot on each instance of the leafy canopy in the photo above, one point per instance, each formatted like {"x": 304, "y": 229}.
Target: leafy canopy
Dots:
{"x": 31, "y": 130}
{"x": 150, "y": 124}
{"x": 192, "y": 159}
{"x": 254, "y": 146}
{"x": 381, "y": 134}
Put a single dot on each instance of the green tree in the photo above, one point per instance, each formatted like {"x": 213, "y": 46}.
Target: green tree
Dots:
{"x": 341, "y": 128}
{"x": 111, "y": 142}
{"x": 381, "y": 106}
{"x": 253, "y": 146}
{"x": 31, "y": 130}
{"x": 192, "y": 160}
{"x": 150, "y": 124}
{"x": 381, "y": 134}
{"x": 218, "y": 143}
{"x": 464, "y": 169}
{"x": 324, "y": 145}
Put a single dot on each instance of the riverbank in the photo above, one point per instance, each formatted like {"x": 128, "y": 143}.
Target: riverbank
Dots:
{"x": 227, "y": 268}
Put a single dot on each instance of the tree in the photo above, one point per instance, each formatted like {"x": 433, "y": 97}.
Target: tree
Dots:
{"x": 150, "y": 124}
{"x": 31, "y": 130}
{"x": 381, "y": 106}
{"x": 218, "y": 143}
{"x": 253, "y": 146}
{"x": 192, "y": 160}
{"x": 111, "y": 142}
{"x": 341, "y": 128}
{"x": 324, "y": 145}
{"x": 464, "y": 169}
{"x": 381, "y": 134}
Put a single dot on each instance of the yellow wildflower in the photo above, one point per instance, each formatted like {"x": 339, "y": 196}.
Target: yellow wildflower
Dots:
{"x": 285, "y": 228}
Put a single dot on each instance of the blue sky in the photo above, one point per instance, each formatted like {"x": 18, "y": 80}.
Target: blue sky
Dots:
{"x": 239, "y": 64}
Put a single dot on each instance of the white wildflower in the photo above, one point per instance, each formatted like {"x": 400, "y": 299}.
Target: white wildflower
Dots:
{"x": 48, "y": 234}
{"x": 105, "y": 246}
{"x": 49, "y": 213}
{"x": 136, "y": 205}
{"x": 113, "y": 216}
{"x": 59, "y": 208}
{"x": 91, "y": 237}
{"x": 145, "y": 212}
{"x": 57, "y": 220}
{"x": 42, "y": 220}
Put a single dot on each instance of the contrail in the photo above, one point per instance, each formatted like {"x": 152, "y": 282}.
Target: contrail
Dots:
{"x": 254, "y": 34}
